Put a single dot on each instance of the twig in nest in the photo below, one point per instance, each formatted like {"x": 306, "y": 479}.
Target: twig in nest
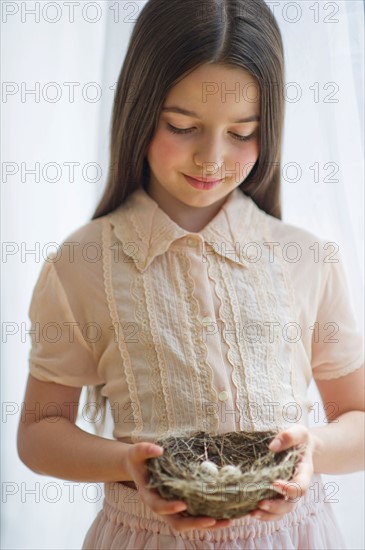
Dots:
{"x": 217, "y": 490}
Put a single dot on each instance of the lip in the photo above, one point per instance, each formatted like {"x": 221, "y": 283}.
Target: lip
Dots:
{"x": 202, "y": 183}
{"x": 205, "y": 180}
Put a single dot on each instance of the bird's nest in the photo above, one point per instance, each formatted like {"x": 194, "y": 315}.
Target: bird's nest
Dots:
{"x": 221, "y": 476}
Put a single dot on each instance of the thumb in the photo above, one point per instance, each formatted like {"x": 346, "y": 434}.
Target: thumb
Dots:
{"x": 138, "y": 454}
{"x": 295, "y": 435}
{"x": 145, "y": 450}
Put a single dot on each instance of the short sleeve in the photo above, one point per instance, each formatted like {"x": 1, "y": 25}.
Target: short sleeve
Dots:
{"x": 337, "y": 343}
{"x": 59, "y": 351}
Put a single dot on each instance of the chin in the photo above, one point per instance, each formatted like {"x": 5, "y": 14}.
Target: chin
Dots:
{"x": 203, "y": 200}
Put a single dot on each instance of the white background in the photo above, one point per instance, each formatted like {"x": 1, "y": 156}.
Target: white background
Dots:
{"x": 56, "y": 515}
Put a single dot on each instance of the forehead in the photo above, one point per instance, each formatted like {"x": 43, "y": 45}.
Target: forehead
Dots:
{"x": 217, "y": 87}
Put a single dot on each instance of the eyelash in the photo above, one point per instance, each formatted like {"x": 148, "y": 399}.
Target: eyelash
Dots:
{"x": 182, "y": 131}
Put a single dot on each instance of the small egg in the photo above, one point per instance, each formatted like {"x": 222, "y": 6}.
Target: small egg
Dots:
{"x": 230, "y": 469}
{"x": 208, "y": 467}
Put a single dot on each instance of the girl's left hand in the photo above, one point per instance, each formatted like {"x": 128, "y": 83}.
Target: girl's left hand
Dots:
{"x": 293, "y": 490}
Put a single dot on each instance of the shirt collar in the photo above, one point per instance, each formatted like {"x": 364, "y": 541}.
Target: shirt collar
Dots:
{"x": 146, "y": 231}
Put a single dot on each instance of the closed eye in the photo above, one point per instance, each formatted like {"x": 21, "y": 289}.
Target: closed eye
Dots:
{"x": 182, "y": 131}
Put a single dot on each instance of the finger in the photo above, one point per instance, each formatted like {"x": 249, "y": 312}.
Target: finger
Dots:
{"x": 300, "y": 482}
{"x": 294, "y": 435}
{"x": 290, "y": 490}
{"x": 172, "y": 514}
{"x": 160, "y": 505}
{"x": 304, "y": 472}
{"x": 144, "y": 450}
{"x": 141, "y": 452}
{"x": 276, "y": 507}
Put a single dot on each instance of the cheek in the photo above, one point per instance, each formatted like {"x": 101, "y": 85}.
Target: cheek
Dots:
{"x": 163, "y": 151}
{"x": 254, "y": 149}
{"x": 248, "y": 155}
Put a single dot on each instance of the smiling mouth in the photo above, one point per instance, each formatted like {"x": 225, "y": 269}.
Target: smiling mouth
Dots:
{"x": 205, "y": 180}
{"x": 203, "y": 184}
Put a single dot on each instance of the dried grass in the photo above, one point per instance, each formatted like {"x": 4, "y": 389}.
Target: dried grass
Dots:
{"x": 177, "y": 473}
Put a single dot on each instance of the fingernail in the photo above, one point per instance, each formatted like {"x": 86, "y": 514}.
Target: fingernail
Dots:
{"x": 278, "y": 488}
{"x": 275, "y": 445}
{"x": 210, "y": 522}
{"x": 264, "y": 507}
{"x": 180, "y": 508}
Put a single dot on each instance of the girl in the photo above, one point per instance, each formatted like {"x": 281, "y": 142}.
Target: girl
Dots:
{"x": 180, "y": 302}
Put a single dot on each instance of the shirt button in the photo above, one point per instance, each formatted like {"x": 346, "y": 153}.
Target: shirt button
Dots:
{"x": 207, "y": 320}
{"x": 223, "y": 396}
{"x": 192, "y": 242}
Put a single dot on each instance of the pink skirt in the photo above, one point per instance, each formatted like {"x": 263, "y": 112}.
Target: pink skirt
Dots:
{"x": 125, "y": 522}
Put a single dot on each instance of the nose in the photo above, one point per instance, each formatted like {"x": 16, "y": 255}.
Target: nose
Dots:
{"x": 209, "y": 154}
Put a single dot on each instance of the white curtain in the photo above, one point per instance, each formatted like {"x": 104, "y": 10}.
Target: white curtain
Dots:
{"x": 323, "y": 170}
{"x": 47, "y": 46}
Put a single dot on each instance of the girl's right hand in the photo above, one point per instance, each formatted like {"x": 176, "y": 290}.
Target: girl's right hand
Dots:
{"x": 136, "y": 457}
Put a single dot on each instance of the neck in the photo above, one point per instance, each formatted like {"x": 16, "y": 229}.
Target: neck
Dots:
{"x": 190, "y": 218}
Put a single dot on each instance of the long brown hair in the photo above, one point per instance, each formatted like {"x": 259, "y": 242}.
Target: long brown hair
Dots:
{"x": 170, "y": 39}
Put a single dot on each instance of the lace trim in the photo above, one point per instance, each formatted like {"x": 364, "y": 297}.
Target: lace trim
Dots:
{"x": 173, "y": 345}
{"x": 332, "y": 375}
{"x": 259, "y": 288}
{"x": 294, "y": 315}
{"x": 266, "y": 303}
{"x": 187, "y": 343}
{"x": 254, "y": 310}
{"x": 249, "y": 359}
{"x": 288, "y": 286}
{"x": 108, "y": 286}
{"x": 156, "y": 348}
{"x": 229, "y": 305}
{"x": 203, "y": 378}
{"x": 159, "y": 413}
{"x": 170, "y": 357}
{"x": 136, "y": 226}
{"x": 277, "y": 278}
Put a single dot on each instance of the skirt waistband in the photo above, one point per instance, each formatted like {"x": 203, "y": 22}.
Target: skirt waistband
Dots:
{"x": 123, "y": 504}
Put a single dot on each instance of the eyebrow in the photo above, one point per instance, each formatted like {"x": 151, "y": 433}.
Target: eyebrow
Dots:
{"x": 181, "y": 111}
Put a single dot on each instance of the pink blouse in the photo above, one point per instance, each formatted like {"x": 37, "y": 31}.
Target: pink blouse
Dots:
{"x": 219, "y": 330}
